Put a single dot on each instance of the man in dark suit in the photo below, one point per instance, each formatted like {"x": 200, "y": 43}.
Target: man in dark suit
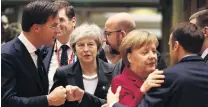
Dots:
{"x": 200, "y": 18}
{"x": 186, "y": 82}
{"x": 116, "y": 28}
{"x": 61, "y": 53}
{"x": 24, "y": 81}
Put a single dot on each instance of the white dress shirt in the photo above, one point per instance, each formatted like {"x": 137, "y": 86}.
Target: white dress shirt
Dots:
{"x": 204, "y": 53}
{"x": 54, "y": 63}
{"x": 30, "y": 47}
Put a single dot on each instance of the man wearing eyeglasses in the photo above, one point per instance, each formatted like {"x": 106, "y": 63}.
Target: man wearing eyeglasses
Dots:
{"x": 116, "y": 28}
{"x": 61, "y": 53}
{"x": 24, "y": 81}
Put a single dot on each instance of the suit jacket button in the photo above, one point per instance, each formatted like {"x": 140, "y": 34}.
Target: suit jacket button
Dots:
{"x": 104, "y": 88}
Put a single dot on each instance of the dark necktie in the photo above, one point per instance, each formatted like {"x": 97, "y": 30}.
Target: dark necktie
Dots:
{"x": 42, "y": 71}
{"x": 206, "y": 58}
{"x": 64, "y": 56}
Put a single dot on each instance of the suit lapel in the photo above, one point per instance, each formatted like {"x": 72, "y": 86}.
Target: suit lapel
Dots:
{"x": 27, "y": 59}
{"x": 102, "y": 85}
{"x": 75, "y": 76}
{"x": 47, "y": 59}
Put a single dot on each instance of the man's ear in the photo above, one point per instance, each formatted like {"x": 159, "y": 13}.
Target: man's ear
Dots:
{"x": 176, "y": 46}
{"x": 74, "y": 21}
{"x": 35, "y": 28}
{"x": 123, "y": 33}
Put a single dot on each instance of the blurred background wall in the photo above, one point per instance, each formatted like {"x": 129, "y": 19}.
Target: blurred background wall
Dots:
{"x": 155, "y": 16}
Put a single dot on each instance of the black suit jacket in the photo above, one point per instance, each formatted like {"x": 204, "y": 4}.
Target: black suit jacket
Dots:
{"x": 48, "y": 53}
{"x": 186, "y": 85}
{"x": 72, "y": 75}
{"x": 20, "y": 82}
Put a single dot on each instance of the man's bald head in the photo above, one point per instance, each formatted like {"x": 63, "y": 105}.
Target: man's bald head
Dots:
{"x": 193, "y": 17}
{"x": 122, "y": 21}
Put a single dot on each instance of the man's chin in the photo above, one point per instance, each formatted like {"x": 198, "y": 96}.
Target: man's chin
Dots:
{"x": 50, "y": 43}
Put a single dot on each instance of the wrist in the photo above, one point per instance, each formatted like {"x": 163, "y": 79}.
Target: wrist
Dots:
{"x": 49, "y": 100}
{"x": 112, "y": 104}
{"x": 82, "y": 95}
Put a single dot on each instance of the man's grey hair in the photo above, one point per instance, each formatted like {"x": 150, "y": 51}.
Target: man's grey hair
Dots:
{"x": 86, "y": 31}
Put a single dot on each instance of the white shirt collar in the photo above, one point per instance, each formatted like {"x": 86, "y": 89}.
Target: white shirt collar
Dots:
{"x": 204, "y": 53}
{"x": 30, "y": 47}
{"x": 190, "y": 55}
{"x": 59, "y": 44}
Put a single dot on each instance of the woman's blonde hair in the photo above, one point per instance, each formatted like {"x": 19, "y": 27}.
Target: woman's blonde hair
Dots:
{"x": 135, "y": 39}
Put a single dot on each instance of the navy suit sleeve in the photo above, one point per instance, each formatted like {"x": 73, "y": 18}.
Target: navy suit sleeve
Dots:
{"x": 91, "y": 101}
{"x": 58, "y": 80}
{"x": 118, "y": 105}
{"x": 158, "y": 97}
{"x": 9, "y": 93}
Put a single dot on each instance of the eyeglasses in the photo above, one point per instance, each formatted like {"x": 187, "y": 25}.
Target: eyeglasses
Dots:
{"x": 53, "y": 26}
{"x": 108, "y": 33}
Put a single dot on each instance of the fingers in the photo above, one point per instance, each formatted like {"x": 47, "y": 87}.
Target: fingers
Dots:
{"x": 68, "y": 89}
{"x": 118, "y": 90}
{"x": 109, "y": 90}
{"x": 158, "y": 72}
{"x": 157, "y": 75}
{"x": 158, "y": 81}
{"x": 74, "y": 93}
{"x": 105, "y": 105}
{"x": 57, "y": 96}
{"x": 155, "y": 85}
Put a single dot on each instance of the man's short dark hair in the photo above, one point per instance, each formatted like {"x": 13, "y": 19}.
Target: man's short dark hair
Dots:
{"x": 189, "y": 36}
{"x": 37, "y": 12}
{"x": 202, "y": 19}
{"x": 69, "y": 9}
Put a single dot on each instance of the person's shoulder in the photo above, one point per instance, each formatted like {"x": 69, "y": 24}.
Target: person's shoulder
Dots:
{"x": 120, "y": 78}
{"x": 64, "y": 68}
{"x": 175, "y": 72}
{"x": 107, "y": 66}
{"x": 8, "y": 48}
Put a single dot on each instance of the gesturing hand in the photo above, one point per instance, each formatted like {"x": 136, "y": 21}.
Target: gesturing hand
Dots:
{"x": 74, "y": 93}
{"x": 57, "y": 96}
{"x": 155, "y": 79}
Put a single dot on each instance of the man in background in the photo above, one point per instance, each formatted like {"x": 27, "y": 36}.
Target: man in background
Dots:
{"x": 200, "y": 18}
{"x": 116, "y": 28}
{"x": 61, "y": 53}
{"x": 24, "y": 81}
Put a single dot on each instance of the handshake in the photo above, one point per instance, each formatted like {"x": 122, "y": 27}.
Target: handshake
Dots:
{"x": 60, "y": 94}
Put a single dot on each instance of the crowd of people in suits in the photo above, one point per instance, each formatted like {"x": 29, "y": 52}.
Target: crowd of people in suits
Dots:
{"x": 52, "y": 63}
